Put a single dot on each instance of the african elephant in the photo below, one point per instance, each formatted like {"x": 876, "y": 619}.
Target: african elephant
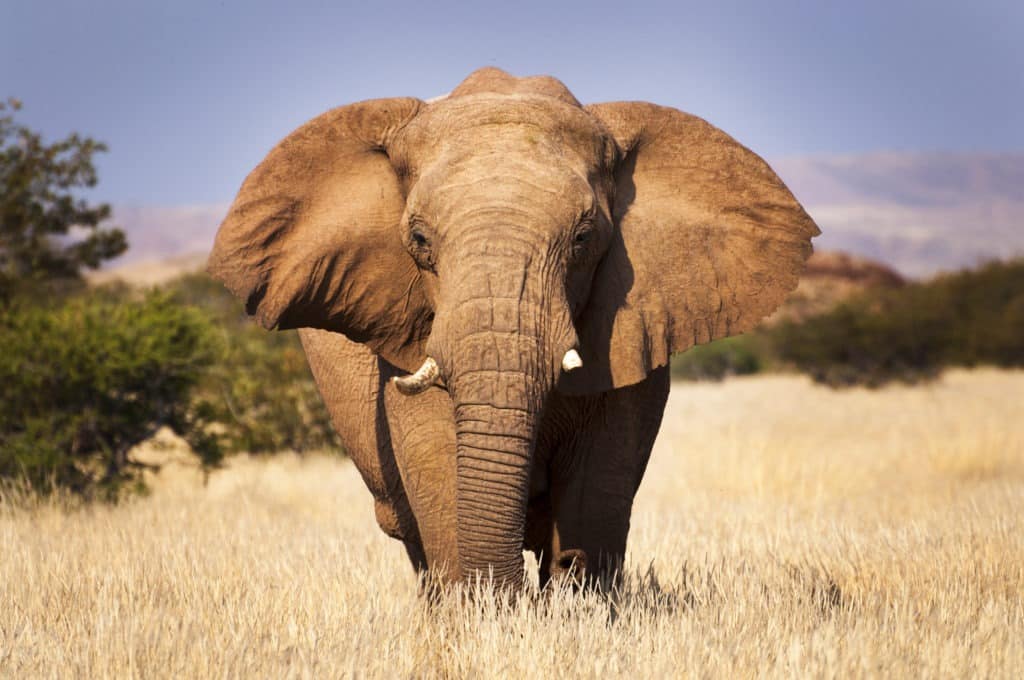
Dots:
{"x": 533, "y": 263}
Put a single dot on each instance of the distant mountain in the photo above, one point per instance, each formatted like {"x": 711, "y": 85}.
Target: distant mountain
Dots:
{"x": 150, "y": 272}
{"x": 830, "y": 278}
{"x": 159, "y": 232}
{"x": 917, "y": 212}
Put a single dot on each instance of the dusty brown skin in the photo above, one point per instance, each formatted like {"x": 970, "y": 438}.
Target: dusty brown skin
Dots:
{"x": 493, "y": 231}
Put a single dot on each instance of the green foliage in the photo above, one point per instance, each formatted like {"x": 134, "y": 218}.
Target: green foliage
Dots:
{"x": 260, "y": 389}
{"x": 85, "y": 380}
{"x": 86, "y": 377}
{"x": 912, "y": 333}
{"x": 41, "y": 217}
{"x": 739, "y": 355}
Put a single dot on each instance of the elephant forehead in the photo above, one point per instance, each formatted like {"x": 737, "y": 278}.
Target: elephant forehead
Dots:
{"x": 529, "y": 124}
{"x": 455, "y": 189}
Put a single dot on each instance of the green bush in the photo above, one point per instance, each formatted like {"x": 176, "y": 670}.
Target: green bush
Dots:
{"x": 260, "y": 388}
{"x": 85, "y": 378}
{"x": 739, "y": 355}
{"x": 986, "y": 311}
{"x": 82, "y": 381}
{"x": 912, "y": 333}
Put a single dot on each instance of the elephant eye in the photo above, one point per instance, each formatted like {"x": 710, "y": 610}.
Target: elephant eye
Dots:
{"x": 580, "y": 239}
{"x": 419, "y": 248}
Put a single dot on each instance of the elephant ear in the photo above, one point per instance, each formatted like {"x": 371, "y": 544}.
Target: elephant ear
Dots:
{"x": 708, "y": 242}
{"x": 312, "y": 238}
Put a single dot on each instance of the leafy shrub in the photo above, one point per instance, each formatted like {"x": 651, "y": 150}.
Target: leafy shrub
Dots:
{"x": 83, "y": 381}
{"x": 260, "y": 388}
{"x": 739, "y": 355}
{"x": 986, "y": 311}
{"x": 912, "y": 333}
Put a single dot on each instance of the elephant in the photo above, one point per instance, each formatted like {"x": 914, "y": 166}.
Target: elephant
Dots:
{"x": 488, "y": 287}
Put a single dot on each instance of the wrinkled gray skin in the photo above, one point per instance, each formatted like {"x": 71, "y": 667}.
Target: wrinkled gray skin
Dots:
{"x": 493, "y": 231}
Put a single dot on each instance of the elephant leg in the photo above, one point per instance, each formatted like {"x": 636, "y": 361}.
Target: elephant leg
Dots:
{"x": 597, "y": 473}
{"x": 349, "y": 380}
{"x": 422, "y": 431}
{"x": 537, "y": 535}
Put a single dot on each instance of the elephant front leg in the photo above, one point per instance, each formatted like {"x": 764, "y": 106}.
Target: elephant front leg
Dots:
{"x": 349, "y": 379}
{"x": 423, "y": 437}
{"x": 588, "y": 544}
{"x": 597, "y": 474}
{"x": 539, "y": 537}
{"x": 537, "y": 534}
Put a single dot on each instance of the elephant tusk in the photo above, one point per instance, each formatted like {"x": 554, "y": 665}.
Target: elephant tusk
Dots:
{"x": 419, "y": 381}
{"x": 571, "y": 361}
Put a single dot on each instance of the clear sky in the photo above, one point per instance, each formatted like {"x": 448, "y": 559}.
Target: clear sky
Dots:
{"x": 191, "y": 95}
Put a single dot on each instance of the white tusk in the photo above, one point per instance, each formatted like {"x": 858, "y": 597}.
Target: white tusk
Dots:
{"x": 418, "y": 381}
{"x": 571, "y": 361}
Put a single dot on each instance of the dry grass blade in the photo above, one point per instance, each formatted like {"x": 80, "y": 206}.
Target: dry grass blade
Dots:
{"x": 782, "y": 530}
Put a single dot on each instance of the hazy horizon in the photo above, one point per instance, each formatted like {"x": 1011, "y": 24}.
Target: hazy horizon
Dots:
{"x": 920, "y": 213}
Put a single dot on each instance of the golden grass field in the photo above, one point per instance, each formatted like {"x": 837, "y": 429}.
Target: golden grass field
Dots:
{"x": 782, "y": 530}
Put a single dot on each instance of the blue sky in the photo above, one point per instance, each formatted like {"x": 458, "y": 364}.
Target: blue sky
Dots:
{"x": 191, "y": 95}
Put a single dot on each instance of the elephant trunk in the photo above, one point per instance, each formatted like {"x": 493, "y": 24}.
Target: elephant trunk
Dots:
{"x": 494, "y": 448}
{"x": 500, "y": 348}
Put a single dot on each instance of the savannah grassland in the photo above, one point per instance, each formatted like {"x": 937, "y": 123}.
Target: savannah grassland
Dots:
{"x": 782, "y": 530}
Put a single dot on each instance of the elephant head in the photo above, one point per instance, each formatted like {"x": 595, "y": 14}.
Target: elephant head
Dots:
{"x": 508, "y": 241}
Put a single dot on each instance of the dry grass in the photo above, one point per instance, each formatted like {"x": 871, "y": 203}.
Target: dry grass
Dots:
{"x": 782, "y": 530}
